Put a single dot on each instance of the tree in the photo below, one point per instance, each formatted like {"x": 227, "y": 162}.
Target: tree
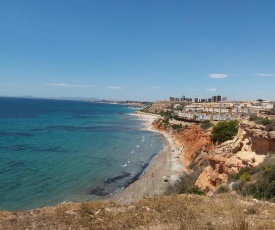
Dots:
{"x": 224, "y": 131}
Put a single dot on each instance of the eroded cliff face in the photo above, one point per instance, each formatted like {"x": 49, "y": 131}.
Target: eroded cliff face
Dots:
{"x": 248, "y": 148}
{"x": 193, "y": 142}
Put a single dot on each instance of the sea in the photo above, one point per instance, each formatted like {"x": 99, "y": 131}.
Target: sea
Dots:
{"x": 55, "y": 151}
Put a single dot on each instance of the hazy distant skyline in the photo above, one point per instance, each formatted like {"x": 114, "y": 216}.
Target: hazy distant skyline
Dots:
{"x": 138, "y": 50}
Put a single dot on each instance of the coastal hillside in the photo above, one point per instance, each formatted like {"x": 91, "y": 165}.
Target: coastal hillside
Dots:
{"x": 167, "y": 212}
{"x": 217, "y": 161}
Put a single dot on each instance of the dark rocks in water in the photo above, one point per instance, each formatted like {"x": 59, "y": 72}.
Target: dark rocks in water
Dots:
{"x": 136, "y": 177}
{"x": 101, "y": 192}
{"x": 98, "y": 192}
{"x": 113, "y": 179}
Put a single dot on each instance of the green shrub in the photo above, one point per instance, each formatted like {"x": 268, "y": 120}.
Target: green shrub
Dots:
{"x": 185, "y": 184}
{"x": 245, "y": 177}
{"x": 224, "y": 130}
{"x": 265, "y": 187}
{"x": 206, "y": 124}
{"x": 167, "y": 114}
{"x": 176, "y": 126}
{"x": 266, "y": 121}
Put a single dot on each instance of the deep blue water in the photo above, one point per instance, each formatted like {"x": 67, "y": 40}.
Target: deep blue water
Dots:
{"x": 54, "y": 151}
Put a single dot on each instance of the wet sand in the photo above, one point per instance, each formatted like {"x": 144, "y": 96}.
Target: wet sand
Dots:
{"x": 165, "y": 167}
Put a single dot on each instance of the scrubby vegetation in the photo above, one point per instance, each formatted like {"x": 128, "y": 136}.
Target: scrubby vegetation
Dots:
{"x": 178, "y": 127}
{"x": 185, "y": 184}
{"x": 206, "y": 124}
{"x": 264, "y": 187}
{"x": 269, "y": 124}
{"x": 258, "y": 182}
{"x": 223, "y": 131}
{"x": 167, "y": 114}
{"x": 165, "y": 123}
{"x": 166, "y": 212}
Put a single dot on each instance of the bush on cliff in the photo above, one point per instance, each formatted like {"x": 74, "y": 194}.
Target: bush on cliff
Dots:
{"x": 258, "y": 182}
{"x": 224, "y": 131}
{"x": 269, "y": 124}
{"x": 206, "y": 124}
{"x": 264, "y": 187}
{"x": 185, "y": 184}
{"x": 167, "y": 114}
{"x": 176, "y": 126}
{"x": 179, "y": 127}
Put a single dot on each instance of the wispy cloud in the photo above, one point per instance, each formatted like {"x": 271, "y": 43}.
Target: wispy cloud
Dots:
{"x": 217, "y": 75}
{"x": 155, "y": 87}
{"x": 210, "y": 89}
{"x": 69, "y": 85}
{"x": 192, "y": 89}
{"x": 114, "y": 87}
{"x": 265, "y": 74}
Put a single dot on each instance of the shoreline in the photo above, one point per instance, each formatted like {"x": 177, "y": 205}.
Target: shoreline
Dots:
{"x": 164, "y": 167}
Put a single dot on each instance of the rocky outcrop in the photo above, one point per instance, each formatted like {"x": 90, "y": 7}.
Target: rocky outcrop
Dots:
{"x": 262, "y": 141}
{"x": 247, "y": 149}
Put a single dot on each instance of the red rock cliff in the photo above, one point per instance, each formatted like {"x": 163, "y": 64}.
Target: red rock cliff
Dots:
{"x": 189, "y": 140}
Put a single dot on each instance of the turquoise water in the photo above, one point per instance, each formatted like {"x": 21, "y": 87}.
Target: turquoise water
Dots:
{"x": 54, "y": 151}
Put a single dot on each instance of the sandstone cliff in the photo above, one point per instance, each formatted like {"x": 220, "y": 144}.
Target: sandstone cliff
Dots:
{"x": 193, "y": 142}
{"x": 248, "y": 148}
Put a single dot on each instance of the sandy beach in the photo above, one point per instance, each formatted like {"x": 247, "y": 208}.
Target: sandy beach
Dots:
{"x": 164, "y": 168}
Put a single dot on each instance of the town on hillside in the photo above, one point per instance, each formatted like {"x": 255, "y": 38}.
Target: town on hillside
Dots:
{"x": 216, "y": 108}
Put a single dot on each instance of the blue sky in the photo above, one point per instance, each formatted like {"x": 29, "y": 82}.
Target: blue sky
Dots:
{"x": 138, "y": 50}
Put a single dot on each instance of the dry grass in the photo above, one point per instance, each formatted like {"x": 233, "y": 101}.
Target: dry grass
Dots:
{"x": 169, "y": 212}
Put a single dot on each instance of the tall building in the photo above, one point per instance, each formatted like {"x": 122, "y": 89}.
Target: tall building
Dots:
{"x": 214, "y": 98}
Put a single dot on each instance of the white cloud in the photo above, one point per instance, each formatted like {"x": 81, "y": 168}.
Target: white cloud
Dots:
{"x": 155, "y": 87}
{"x": 265, "y": 74}
{"x": 217, "y": 75}
{"x": 192, "y": 89}
{"x": 69, "y": 85}
{"x": 210, "y": 89}
{"x": 114, "y": 87}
